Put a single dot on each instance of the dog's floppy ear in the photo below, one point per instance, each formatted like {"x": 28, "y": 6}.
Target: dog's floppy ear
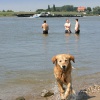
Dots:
{"x": 72, "y": 58}
{"x": 54, "y": 60}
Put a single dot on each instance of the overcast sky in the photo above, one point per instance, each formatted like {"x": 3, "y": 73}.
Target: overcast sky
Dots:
{"x": 27, "y": 5}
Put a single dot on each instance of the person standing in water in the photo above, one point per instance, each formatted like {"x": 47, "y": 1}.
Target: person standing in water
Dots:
{"x": 67, "y": 26}
{"x": 77, "y": 27}
{"x": 45, "y": 27}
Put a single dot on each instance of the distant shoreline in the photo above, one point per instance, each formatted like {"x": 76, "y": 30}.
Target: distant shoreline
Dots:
{"x": 11, "y": 14}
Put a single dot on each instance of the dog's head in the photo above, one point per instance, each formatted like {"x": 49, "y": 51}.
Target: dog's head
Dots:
{"x": 63, "y": 60}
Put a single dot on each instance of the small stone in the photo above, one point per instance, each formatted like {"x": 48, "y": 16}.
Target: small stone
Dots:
{"x": 46, "y": 93}
{"x": 20, "y": 98}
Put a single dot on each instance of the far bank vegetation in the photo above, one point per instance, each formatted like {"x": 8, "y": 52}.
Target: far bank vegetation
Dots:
{"x": 66, "y": 9}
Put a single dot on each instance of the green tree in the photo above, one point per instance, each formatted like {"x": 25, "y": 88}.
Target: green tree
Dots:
{"x": 96, "y": 10}
{"x": 3, "y": 11}
{"x": 63, "y": 8}
{"x": 89, "y": 9}
{"x": 40, "y": 10}
{"x": 10, "y": 11}
{"x": 48, "y": 8}
{"x": 74, "y": 8}
{"x": 68, "y": 8}
{"x": 54, "y": 8}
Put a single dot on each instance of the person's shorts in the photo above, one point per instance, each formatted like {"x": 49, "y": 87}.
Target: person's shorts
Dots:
{"x": 66, "y": 31}
{"x": 77, "y": 31}
{"x": 45, "y": 32}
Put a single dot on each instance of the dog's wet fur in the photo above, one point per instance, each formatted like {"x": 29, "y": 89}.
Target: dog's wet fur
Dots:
{"x": 62, "y": 72}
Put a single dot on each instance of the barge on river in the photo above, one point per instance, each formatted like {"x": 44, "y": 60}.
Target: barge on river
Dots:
{"x": 43, "y": 14}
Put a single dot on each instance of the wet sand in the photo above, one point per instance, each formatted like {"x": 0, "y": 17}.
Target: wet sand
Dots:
{"x": 79, "y": 84}
{"x": 93, "y": 96}
{"x": 88, "y": 90}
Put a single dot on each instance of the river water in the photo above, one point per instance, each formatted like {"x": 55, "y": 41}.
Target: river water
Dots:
{"x": 25, "y": 53}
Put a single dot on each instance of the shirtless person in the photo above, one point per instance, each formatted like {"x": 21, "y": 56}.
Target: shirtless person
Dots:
{"x": 67, "y": 26}
{"x": 77, "y": 27}
{"x": 45, "y": 27}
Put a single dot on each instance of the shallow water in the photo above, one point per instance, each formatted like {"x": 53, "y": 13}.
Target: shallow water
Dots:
{"x": 25, "y": 53}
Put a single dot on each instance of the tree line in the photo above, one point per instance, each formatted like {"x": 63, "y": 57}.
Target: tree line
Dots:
{"x": 65, "y": 8}
{"x": 7, "y": 11}
{"x": 69, "y": 8}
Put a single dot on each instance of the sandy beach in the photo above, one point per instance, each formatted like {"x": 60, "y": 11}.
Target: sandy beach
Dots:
{"x": 84, "y": 91}
{"x": 94, "y": 96}
{"x": 90, "y": 93}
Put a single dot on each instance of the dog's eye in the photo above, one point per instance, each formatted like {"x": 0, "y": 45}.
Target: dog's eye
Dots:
{"x": 66, "y": 60}
{"x": 60, "y": 61}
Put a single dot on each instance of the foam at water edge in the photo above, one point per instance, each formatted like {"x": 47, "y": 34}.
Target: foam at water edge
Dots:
{"x": 57, "y": 95}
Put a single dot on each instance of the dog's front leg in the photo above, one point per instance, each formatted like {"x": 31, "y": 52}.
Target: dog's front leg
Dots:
{"x": 68, "y": 90}
{"x": 61, "y": 89}
{"x": 60, "y": 85}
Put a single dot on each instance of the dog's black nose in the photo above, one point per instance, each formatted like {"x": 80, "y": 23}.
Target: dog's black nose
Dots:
{"x": 64, "y": 67}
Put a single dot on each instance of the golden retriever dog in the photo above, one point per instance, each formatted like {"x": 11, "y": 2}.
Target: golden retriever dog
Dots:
{"x": 62, "y": 72}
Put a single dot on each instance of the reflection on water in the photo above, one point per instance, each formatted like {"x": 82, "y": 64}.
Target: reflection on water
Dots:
{"x": 25, "y": 53}
{"x": 68, "y": 39}
{"x": 77, "y": 36}
{"x": 45, "y": 35}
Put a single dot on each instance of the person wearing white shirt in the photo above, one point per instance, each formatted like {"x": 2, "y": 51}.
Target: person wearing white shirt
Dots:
{"x": 67, "y": 26}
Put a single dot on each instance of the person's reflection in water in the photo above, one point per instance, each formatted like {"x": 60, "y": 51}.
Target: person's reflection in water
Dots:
{"x": 67, "y": 42}
{"x": 45, "y": 48}
{"x": 77, "y": 36}
{"x": 67, "y": 35}
{"x": 45, "y": 35}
